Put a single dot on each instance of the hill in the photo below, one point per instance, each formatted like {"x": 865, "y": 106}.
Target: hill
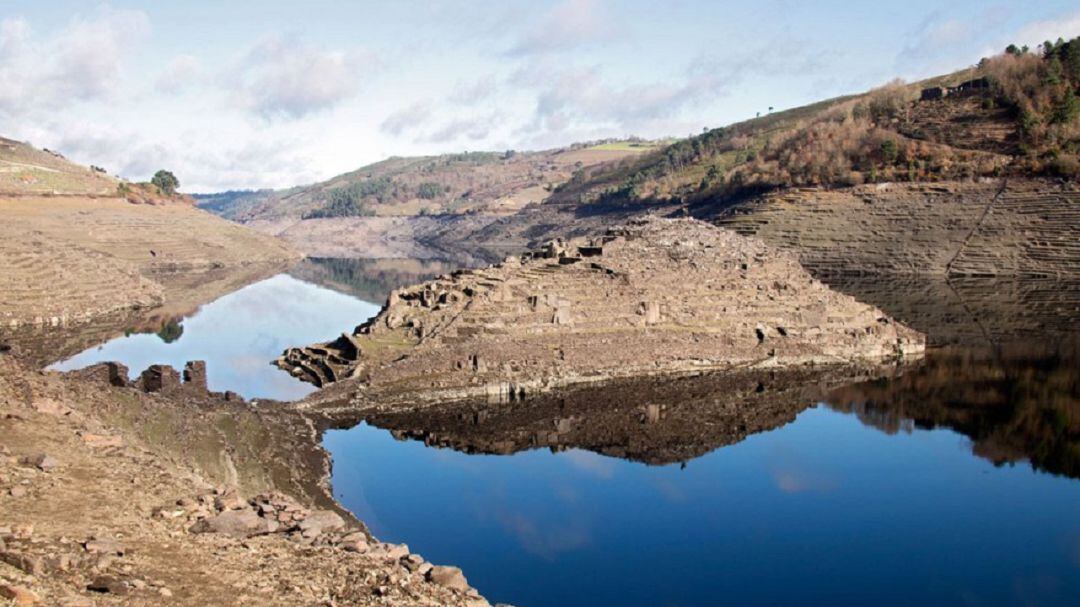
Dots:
{"x": 1015, "y": 114}
{"x": 941, "y": 169}
{"x": 398, "y": 198}
{"x": 78, "y": 245}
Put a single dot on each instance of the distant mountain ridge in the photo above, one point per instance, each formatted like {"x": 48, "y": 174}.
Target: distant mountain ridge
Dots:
{"x": 450, "y": 184}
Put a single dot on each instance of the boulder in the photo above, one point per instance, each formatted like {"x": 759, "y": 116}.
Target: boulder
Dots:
{"x": 109, "y": 584}
{"x": 235, "y": 523}
{"x": 321, "y": 521}
{"x": 448, "y": 577}
{"x": 41, "y": 461}
{"x": 18, "y": 595}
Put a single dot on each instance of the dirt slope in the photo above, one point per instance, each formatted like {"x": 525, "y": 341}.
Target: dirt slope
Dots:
{"x": 73, "y": 248}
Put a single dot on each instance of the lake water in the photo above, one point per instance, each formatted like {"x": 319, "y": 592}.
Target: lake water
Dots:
{"x": 239, "y": 334}
{"x": 952, "y": 483}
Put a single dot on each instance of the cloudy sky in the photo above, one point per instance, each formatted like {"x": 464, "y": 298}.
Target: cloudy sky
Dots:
{"x": 273, "y": 93}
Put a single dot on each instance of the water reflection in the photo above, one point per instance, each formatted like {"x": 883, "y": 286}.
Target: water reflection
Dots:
{"x": 649, "y": 420}
{"x": 185, "y": 293}
{"x": 373, "y": 279}
{"x": 763, "y": 488}
{"x": 238, "y": 335}
{"x": 750, "y": 492}
{"x": 1016, "y": 403}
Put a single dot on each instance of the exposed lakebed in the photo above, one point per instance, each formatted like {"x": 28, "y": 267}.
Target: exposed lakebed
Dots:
{"x": 954, "y": 482}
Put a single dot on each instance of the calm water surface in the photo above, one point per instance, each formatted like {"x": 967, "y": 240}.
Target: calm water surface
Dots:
{"x": 239, "y": 335}
{"x": 952, "y": 484}
{"x": 841, "y": 506}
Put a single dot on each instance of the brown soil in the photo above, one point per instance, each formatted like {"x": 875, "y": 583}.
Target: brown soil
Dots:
{"x": 107, "y": 517}
{"x": 69, "y": 260}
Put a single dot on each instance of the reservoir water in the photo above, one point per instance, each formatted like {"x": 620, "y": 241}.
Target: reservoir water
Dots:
{"x": 953, "y": 482}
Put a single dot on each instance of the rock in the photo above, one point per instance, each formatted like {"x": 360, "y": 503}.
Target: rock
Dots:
{"x": 395, "y": 551}
{"x": 448, "y": 577}
{"x": 321, "y": 521}
{"x": 229, "y": 500}
{"x": 165, "y": 592}
{"x": 235, "y": 523}
{"x": 28, "y": 563}
{"x": 19, "y": 595}
{"x": 354, "y": 542}
{"x": 108, "y": 584}
{"x": 17, "y": 491}
{"x": 412, "y": 562}
{"x": 103, "y": 546}
{"x": 41, "y": 461}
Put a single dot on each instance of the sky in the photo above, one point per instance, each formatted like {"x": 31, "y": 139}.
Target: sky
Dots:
{"x": 275, "y": 93}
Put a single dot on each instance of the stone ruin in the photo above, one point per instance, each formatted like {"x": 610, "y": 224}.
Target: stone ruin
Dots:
{"x": 159, "y": 379}
{"x": 653, "y": 297}
{"x": 964, "y": 89}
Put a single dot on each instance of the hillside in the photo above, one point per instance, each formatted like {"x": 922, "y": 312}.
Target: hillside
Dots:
{"x": 476, "y": 182}
{"x": 908, "y": 161}
{"x": 1015, "y": 114}
{"x": 77, "y": 245}
{"x": 25, "y": 170}
{"x": 395, "y": 207}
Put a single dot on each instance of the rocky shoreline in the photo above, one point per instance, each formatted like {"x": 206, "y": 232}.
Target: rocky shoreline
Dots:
{"x": 159, "y": 491}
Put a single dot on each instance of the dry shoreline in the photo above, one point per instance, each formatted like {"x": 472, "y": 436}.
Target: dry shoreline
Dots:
{"x": 120, "y": 480}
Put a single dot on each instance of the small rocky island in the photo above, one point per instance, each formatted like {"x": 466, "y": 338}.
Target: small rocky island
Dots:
{"x": 652, "y": 297}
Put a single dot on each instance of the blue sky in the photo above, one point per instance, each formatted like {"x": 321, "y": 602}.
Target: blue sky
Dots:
{"x": 274, "y": 93}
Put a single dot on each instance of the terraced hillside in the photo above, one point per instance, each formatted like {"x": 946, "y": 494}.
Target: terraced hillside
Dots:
{"x": 1018, "y": 228}
{"x": 83, "y": 252}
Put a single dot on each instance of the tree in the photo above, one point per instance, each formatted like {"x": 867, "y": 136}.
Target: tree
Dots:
{"x": 1067, "y": 109}
{"x": 166, "y": 182}
{"x": 889, "y": 151}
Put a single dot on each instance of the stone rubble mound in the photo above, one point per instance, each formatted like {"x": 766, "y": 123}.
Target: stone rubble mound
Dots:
{"x": 655, "y": 296}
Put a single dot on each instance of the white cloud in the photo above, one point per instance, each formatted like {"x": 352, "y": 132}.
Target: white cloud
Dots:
{"x": 285, "y": 78}
{"x": 407, "y": 118}
{"x": 472, "y": 128}
{"x": 477, "y": 91}
{"x": 80, "y": 62}
{"x": 569, "y": 97}
{"x": 1067, "y": 26}
{"x": 568, "y": 25}
{"x": 179, "y": 74}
